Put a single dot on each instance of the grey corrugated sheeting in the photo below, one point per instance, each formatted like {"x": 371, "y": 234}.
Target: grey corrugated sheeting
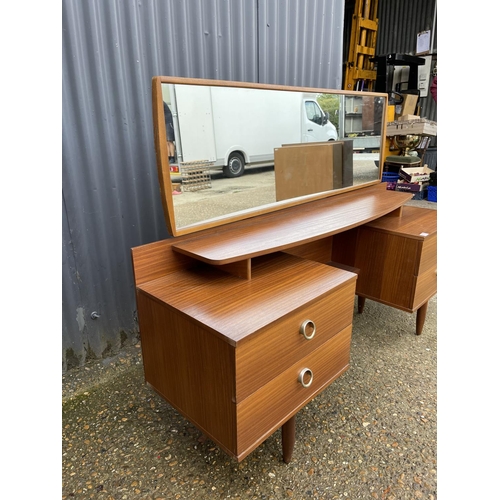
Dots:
{"x": 306, "y": 39}
{"x": 215, "y": 39}
{"x": 111, "y": 201}
{"x": 400, "y": 21}
{"x": 109, "y": 198}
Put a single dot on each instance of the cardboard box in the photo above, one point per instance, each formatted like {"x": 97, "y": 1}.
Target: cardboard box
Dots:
{"x": 413, "y": 187}
{"x": 408, "y": 105}
{"x": 406, "y": 118}
{"x": 416, "y": 127}
{"x": 415, "y": 174}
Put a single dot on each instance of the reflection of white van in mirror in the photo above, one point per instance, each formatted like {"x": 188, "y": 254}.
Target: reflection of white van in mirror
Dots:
{"x": 236, "y": 127}
{"x": 316, "y": 123}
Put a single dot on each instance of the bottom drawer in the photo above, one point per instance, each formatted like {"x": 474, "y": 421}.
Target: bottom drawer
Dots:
{"x": 260, "y": 414}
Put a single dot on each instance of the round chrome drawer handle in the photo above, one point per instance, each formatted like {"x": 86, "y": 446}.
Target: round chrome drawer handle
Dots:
{"x": 307, "y": 325}
{"x": 303, "y": 375}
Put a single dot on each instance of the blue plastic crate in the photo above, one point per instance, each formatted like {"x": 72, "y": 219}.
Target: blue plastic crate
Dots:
{"x": 389, "y": 177}
{"x": 432, "y": 193}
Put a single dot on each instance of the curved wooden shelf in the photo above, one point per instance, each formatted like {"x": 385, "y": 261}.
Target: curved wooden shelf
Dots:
{"x": 292, "y": 226}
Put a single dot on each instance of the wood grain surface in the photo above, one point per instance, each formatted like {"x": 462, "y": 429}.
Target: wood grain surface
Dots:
{"x": 292, "y": 226}
{"x": 215, "y": 345}
{"x": 398, "y": 259}
{"x": 280, "y": 344}
{"x": 235, "y": 308}
{"x": 302, "y": 169}
{"x": 415, "y": 222}
{"x": 272, "y": 405}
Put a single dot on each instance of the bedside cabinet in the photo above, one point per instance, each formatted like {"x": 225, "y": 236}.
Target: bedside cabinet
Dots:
{"x": 397, "y": 261}
{"x": 239, "y": 358}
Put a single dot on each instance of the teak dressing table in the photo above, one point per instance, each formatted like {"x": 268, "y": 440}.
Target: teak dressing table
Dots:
{"x": 243, "y": 323}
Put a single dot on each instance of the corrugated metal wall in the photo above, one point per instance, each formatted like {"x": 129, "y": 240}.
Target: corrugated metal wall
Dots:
{"x": 110, "y": 194}
{"x": 400, "y": 21}
{"x": 111, "y": 50}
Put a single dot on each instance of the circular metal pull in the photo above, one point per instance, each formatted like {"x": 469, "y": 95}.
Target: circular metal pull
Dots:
{"x": 307, "y": 325}
{"x": 304, "y": 375}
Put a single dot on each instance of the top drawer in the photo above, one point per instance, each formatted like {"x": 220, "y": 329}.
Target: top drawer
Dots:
{"x": 281, "y": 344}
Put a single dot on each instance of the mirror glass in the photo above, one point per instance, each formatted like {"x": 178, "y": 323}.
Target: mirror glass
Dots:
{"x": 229, "y": 150}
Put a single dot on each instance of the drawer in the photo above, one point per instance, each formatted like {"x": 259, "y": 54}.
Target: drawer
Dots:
{"x": 428, "y": 258}
{"x": 279, "y": 345}
{"x": 425, "y": 287}
{"x": 263, "y": 412}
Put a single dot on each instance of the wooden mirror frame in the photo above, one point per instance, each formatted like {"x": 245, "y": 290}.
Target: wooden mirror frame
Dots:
{"x": 163, "y": 165}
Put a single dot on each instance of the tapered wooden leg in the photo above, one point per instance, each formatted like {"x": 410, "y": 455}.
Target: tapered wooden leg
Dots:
{"x": 288, "y": 439}
{"x": 361, "y": 304}
{"x": 421, "y": 313}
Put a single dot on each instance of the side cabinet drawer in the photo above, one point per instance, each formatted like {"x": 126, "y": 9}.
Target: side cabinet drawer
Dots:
{"x": 281, "y": 344}
{"x": 428, "y": 258}
{"x": 259, "y": 415}
{"x": 425, "y": 287}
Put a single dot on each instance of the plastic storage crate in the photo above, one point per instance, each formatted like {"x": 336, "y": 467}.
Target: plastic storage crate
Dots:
{"x": 389, "y": 177}
{"x": 432, "y": 193}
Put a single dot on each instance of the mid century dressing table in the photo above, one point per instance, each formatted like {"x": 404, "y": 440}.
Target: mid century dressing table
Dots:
{"x": 245, "y": 317}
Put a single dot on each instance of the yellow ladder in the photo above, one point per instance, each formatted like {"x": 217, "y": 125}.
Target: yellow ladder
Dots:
{"x": 360, "y": 74}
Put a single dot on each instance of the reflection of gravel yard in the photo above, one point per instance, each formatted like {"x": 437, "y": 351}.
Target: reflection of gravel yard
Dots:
{"x": 225, "y": 196}
{"x": 253, "y": 189}
{"x": 365, "y": 168}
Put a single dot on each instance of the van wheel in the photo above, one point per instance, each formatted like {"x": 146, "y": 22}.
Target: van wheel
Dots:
{"x": 235, "y": 165}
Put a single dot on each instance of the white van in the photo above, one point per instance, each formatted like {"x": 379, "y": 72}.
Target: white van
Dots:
{"x": 236, "y": 127}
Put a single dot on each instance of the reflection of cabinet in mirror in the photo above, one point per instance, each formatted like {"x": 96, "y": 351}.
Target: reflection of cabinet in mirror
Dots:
{"x": 302, "y": 169}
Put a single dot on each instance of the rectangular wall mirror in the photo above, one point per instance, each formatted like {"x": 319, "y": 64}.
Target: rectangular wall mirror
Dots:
{"x": 227, "y": 151}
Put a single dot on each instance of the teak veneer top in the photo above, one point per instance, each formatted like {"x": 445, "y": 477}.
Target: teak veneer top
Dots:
{"x": 417, "y": 223}
{"x": 234, "y": 308}
{"x": 292, "y": 226}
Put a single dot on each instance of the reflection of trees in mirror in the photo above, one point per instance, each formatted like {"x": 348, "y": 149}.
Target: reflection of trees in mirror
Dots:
{"x": 330, "y": 103}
